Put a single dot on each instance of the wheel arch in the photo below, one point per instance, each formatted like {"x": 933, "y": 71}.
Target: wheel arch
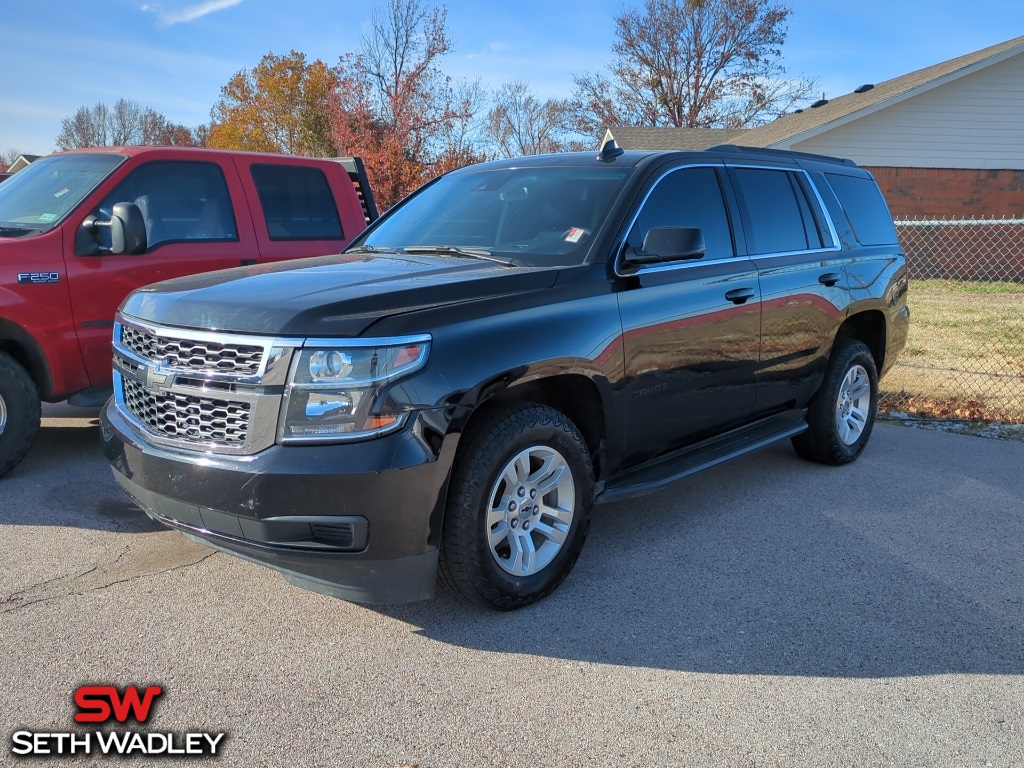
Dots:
{"x": 20, "y": 345}
{"x": 869, "y": 327}
{"x": 574, "y": 394}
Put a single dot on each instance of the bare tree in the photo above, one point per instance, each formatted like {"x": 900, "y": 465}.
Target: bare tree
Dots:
{"x": 88, "y": 127}
{"x": 124, "y": 124}
{"x": 7, "y": 158}
{"x": 692, "y": 63}
{"x": 458, "y": 138}
{"x": 520, "y": 124}
{"x": 396, "y": 107}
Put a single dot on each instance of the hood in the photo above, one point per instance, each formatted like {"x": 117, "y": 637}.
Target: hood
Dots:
{"x": 340, "y": 295}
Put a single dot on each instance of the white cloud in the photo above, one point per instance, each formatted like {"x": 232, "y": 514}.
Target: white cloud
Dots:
{"x": 190, "y": 13}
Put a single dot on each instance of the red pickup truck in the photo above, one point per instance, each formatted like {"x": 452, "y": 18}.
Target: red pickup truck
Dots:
{"x": 80, "y": 230}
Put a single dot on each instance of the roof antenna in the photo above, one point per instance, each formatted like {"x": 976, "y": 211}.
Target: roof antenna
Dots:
{"x": 610, "y": 150}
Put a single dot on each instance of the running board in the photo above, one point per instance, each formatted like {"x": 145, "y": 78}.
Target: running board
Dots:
{"x": 655, "y": 475}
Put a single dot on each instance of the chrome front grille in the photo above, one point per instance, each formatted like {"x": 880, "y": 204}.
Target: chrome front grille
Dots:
{"x": 194, "y": 354}
{"x": 200, "y": 390}
{"x": 189, "y": 418}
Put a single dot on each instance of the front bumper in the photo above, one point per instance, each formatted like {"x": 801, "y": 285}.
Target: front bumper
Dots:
{"x": 359, "y": 521}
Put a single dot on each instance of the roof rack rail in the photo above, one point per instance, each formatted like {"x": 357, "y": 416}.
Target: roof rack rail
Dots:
{"x": 780, "y": 153}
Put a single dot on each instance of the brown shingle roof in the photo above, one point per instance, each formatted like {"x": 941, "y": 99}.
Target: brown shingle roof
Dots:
{"x": 674, "y": 138}
{"x": 789, "y": 126}
{"x": 814, "y": 120}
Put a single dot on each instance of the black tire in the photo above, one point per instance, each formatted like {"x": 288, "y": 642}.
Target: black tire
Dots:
{"x": 839, "y": 427}
{"x": 19, "y": 413}
{"x": 539, "y": 438}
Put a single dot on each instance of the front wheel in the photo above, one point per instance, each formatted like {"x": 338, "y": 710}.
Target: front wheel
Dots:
{"x": 518, "y": 507}
{"x": 842, "y": 413}
{"x": 19, "y": 413}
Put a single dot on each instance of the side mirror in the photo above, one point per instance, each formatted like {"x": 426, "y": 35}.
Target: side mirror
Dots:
{"x": 127, "y": 229}
{"x": 663, "y": 244}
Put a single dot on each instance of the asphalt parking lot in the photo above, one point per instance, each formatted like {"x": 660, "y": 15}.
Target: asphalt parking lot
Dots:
{"x": 768, "y": 612}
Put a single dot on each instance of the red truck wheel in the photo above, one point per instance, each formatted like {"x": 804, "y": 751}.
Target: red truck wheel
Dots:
{"x": 19, "y": 413}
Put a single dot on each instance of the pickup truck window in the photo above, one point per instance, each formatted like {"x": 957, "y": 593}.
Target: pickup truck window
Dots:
{"x": 39, "y": 197}
{"x": 532, "y": 216}
{"x": 178, "y": 200}
{"x": 297, "y": 203}
{"x": 689, "y": 197}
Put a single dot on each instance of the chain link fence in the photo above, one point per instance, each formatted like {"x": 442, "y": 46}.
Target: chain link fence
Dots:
{"x": 965, "y": 353}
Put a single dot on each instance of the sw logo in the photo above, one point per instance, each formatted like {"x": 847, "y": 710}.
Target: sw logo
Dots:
{"x": 105, "y": 703}
{"x": 97, "y": 703}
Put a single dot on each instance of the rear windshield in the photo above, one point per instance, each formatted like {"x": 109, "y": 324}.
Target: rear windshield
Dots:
{"x": 530, "y": 216}
{"x": 865, "y": 209}
{"x": 38, "y": 197}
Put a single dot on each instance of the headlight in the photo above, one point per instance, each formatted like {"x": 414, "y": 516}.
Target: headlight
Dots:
{"x": 333, "y": 390}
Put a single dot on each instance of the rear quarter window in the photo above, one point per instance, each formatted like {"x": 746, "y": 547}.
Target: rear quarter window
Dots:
{"x": 865, "y": 209}
{"x": 297, "y": 203}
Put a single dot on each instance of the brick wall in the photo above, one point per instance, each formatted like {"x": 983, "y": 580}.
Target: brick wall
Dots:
{"x": 951, "y": 193}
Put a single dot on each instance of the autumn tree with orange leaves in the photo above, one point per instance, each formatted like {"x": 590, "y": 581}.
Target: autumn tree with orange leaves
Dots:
{"x": 282, "y": 105}
{"x": 396, "y": 108}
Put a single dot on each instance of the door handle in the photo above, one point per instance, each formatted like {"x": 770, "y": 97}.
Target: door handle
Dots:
{"x": 830, "y": 278}
{"x": 248, "y": 262}
{"x": 739, "y": 295}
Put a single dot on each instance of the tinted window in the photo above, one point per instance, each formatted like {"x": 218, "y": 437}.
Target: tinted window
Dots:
{"x": 178, "y": 201}
{"x": 297, "y": 203}
{"x": 689, "y": 197}
{"x": 773, "y": 210}
{"x": 817, "y": 228}
{"x": 865, "y": 209}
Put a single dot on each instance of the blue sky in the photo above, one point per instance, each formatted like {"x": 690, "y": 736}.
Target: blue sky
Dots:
{"x": 174, "y": 55}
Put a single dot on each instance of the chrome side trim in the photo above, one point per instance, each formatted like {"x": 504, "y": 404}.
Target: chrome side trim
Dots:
{"x": 836, "y": 244}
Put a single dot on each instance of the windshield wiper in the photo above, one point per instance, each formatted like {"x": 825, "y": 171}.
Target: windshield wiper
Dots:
{"x": 454, "y": 250}
{"x": 370, "y": 249}
{"x": 16, "y": 231}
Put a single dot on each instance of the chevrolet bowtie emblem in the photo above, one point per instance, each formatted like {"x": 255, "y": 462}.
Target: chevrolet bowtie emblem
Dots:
{"x": 157, "y": 377}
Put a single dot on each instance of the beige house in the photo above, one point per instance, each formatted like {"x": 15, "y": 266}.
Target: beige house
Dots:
{"x": 947, "y": 140}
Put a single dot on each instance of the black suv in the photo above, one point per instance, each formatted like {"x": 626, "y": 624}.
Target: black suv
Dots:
{"x": 509, "y": 345}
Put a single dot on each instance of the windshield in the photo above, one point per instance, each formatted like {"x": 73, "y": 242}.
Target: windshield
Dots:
{"x": 529, "y": 216}
{"x": 38, "y": 197}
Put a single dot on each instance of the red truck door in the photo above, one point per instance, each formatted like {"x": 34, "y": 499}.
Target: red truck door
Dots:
{"x": 196, "y": 221}
{"x": 300, "y": 209}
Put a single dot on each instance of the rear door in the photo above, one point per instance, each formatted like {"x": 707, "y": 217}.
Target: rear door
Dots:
{"x": 295, "y": 211}
{"x": 196, "y": 221}
{"x": 802, "y": 275}
{"x": 692, "y": 328}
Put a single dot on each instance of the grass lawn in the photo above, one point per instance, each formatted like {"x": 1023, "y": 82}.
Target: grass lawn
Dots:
{"x": 965, "y": 353}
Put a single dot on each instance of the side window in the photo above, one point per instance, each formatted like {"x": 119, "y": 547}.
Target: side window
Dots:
{"x": 865, "y": 209}
{"x": 818, "y": 226}
{"x": 778, "y": 221}
{"x": 297, "y": 203}
{"x": 178, "y": 200}
{"x": 689, "y": 197}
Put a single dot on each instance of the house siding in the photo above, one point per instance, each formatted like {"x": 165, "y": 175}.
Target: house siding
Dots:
{"x": 974, "y": 122}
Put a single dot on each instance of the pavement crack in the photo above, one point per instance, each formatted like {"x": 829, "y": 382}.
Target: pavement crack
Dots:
{"x": 16, "y": 596}
{"x": 108, "y": 576}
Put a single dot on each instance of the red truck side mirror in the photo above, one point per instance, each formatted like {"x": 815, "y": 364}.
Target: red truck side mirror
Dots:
{"x": 127, "y": 229}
